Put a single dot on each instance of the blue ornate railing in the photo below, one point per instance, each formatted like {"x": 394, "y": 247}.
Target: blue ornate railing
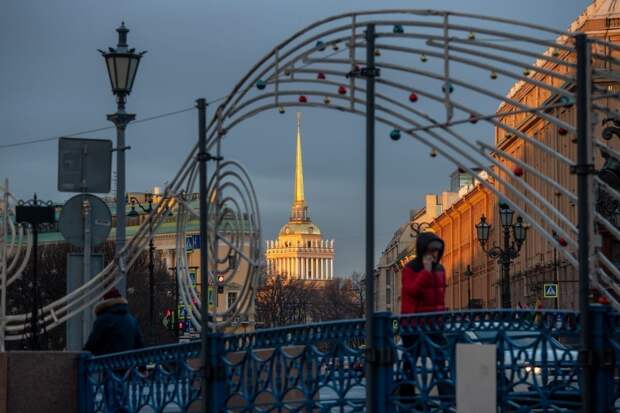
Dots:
{"x": 321, "y": 366}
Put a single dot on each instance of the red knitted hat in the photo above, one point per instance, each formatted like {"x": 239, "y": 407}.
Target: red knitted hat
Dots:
{"x": 112, "y": 293}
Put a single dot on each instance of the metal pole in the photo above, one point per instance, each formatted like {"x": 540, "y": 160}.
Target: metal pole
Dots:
{"x": 5, "y": 223}
{"x": 120, "y": 205}
{"x": 584, "y": 169}
{"x": 85, "y": 327}
{"x": 120, "y": 120}
{"x": 201, "y": 104}
{"x": 557, "y": 277}
{"x": 506, "y": 270}
{"x": 371, "y": 366}
{"x": 469, "y": 291}
{"x": 151, "y": 279}
{"x": 34, "y": 330}
{"x": 176, "y": 302}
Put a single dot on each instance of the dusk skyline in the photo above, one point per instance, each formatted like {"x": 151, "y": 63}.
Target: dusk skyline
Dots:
{"x": 197, "y": 50}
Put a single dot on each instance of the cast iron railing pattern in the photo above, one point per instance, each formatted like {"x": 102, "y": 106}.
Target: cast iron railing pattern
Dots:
{"x": 320, "y": 367}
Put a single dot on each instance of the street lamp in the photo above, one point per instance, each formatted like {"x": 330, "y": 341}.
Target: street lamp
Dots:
{"x": 510, "y": 250}
{"x": 122, "y": 64}
{"x": 134, "y": 202}
{"x": 468, "y": 274}
{"x": 133, "y": 213}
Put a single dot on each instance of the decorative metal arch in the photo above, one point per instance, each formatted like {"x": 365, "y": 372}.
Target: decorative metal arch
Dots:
{"x": 304, "y": 71}
{"x": 14, "y": 252}
{"x": 300, "y": 69}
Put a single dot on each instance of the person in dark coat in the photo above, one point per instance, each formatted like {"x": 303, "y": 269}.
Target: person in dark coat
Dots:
{"x": 115, "y": 329}
{"x": 424, "y": 278}
{"x": 423, "y": 291}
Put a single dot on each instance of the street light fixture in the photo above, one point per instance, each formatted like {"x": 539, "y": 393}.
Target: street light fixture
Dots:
{"x": 510, "y": 250}
{"x": 468, "y": 274}
{"x": 506, "y": 214}
{"x": 519, "y": 232}
{"x": 134, "y": 202}
{"x": 483, "y": 229}
{"x": 133, "y": 213}
{"x": 122, "y": 64}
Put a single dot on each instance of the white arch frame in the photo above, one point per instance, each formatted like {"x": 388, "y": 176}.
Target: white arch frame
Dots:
{"x": 298, "y": 57}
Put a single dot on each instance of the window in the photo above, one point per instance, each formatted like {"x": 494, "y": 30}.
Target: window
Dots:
{"x": 232, "y": 297}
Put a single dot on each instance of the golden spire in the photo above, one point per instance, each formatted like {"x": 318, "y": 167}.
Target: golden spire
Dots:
{"x": 299, "y": 210}
{"x": 299, "y": 169}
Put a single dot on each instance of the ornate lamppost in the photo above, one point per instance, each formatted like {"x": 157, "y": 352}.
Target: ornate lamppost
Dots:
{"x": 606, "y": 204}
{"x": 122, "y": 64}
{"x": 468, "y": 274}
{"x": 510, "y": 250}
{"x": 147, "y": 208}
{"x": 133, "y": 213}
{"x": 35, "y": 213}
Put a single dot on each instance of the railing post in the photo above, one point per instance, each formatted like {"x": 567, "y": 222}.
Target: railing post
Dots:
{"x": 84, "y": 396}
{"x": 382, "y": 355}
{"x": 603, "y": 375}
{"x": 217, "y": 390}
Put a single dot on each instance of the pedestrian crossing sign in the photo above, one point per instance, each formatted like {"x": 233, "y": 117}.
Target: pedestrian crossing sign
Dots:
{"x": 550, "y": 290}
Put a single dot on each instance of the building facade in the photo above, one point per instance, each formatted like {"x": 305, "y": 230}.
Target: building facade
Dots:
{"x": 165, "y": 246}
{"x": 540, "y": 261}
{"x": 401, "y": 248}
{"x": 472, "y": 277}
{"x": 300, "y": 250}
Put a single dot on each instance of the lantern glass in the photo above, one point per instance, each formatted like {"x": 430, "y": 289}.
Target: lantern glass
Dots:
{"x": 505, "y": 216}
{"x": 122, "y": 64}
{"x": 483, "y": 229}
{"x": 122, "y": 69}
{"x": 134, "y": 61}
{"x": 519, "y": 231}
{"x": 109, "y": 60}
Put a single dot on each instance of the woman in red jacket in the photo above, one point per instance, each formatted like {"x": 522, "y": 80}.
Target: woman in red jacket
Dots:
{"x": 424, "y": 279}
{"x": 423, "y": 291}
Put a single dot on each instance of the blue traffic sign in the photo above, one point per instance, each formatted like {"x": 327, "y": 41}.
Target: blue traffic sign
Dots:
{"x": 192, "y": 242}
{"x": 550, "y": 290}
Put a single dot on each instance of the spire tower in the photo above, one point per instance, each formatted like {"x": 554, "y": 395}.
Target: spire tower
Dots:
{"x": 300, "y": 251}
{"x": 299, "y": 209}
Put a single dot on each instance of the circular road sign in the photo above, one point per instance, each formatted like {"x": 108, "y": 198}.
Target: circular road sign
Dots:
{"x": 71, "y": 221}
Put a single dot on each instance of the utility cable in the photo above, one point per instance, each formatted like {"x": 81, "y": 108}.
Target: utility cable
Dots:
{"x": 88, "y": 131}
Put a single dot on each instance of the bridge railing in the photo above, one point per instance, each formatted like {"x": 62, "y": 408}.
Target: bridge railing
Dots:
{"x": 322, "y": 366}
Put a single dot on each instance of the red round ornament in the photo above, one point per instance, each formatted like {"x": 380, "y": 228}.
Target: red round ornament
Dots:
{"x": 413, "y": 97}
{"x": 602, "y": 300}
{"x": 303, "y": 99}
{"x": 518, "y": 171}
{"x": 342, "y": 90}
{"x": 562, "y": 242}
{"x": 473, "y": 118}
{"x": 562, "y": 131}
{"x": 320, "y": 76}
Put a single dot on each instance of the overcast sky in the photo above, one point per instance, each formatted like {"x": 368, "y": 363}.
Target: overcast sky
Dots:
{"x": 53, "y": 82}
